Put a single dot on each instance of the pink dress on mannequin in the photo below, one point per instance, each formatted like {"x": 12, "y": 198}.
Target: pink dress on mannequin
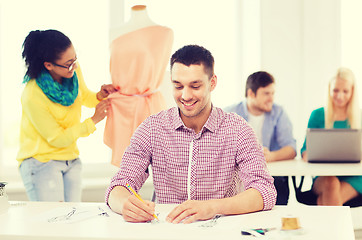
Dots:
{"x": 138, "y": 63}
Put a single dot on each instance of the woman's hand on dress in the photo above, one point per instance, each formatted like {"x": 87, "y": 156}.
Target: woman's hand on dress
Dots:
{"x": 101, "y": 110}
{"x": 106, "y": 89}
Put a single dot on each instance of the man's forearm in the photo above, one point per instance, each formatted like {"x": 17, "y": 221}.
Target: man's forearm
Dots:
{"x": 192, "y": 210}
{"x": 245, "y": 202}
{"x": 117, "y": 197}
{"x": 284, "y": 153}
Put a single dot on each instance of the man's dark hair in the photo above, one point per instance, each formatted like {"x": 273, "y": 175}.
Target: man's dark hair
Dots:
{"x": 194, "y": 55}
{"x": 258, "y": 80}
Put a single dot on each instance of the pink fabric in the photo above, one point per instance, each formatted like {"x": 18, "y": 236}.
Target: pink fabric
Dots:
{"x": 137, "y": 66}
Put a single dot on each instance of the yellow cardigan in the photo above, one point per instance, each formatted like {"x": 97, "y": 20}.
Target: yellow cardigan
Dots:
{"x": 49, "y": 131}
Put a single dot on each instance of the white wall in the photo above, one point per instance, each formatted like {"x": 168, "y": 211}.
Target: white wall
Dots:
{"x": 301, "y": 47}
{"x": 352, "y": 38}
{"x": 281, "y": 53}
{"x": 322, "y": 48}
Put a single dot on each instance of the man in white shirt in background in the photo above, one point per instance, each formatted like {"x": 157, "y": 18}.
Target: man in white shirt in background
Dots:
{"x": 270, "y": 123}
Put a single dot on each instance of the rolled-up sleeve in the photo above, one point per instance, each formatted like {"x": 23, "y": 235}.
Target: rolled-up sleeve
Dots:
{"x": 253, "y": 168}
{"x": 284, "y": 131}
{"x": 135, "y": 161}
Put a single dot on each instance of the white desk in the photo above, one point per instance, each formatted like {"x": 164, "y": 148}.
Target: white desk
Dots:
{"x": 26, "y": 221}
{"x": 297, "y": 167}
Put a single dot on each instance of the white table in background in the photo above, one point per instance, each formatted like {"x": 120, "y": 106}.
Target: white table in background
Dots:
{"x": 297, "y": 167}
{"x": 24, "y": 221}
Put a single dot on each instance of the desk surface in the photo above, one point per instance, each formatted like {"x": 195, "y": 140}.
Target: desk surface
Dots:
{"x": 30, "y": 221}
{"x": 297, "y": 167}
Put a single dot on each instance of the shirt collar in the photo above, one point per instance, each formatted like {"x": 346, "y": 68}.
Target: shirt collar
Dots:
{"x": 176, "y": 119}
{"x": 245, "y": 106}
{"x": 211, "y": 123}
{"x": 213, "y": 120}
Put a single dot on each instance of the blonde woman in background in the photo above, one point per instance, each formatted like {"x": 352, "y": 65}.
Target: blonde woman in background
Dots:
{"x": 342, "y": 111}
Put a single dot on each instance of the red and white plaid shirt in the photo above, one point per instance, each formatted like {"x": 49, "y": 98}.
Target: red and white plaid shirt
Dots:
{"x": 209, "y": 165}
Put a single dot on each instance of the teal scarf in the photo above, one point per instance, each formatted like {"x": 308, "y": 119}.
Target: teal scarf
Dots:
{"x": 64, "y": 94}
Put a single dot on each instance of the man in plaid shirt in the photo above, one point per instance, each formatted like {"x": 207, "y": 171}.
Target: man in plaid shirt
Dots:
{"x": 202, "y": 158}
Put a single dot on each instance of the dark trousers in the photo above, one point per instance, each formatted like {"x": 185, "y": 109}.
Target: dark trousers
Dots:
{"x": 282, "y": 187}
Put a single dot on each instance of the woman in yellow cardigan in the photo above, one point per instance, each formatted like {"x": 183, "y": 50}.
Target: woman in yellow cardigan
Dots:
{"x": 51, "y": 111}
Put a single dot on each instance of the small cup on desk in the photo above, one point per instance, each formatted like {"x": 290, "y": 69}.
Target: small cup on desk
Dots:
{"x": 4, "y": 203}
{"x": 291, "y": 225}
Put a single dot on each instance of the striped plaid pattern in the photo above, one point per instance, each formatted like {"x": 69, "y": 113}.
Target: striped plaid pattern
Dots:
{"x": 226, "y": 158}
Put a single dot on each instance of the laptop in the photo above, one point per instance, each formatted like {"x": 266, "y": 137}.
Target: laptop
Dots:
{"x": 333, "y": 145}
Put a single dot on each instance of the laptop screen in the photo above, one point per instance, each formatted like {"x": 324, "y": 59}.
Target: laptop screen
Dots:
{"x": 333, "y": 145}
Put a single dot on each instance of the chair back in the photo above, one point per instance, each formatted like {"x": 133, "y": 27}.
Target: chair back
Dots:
{"x": 306, "y": 197}
{"x": 310, "y": 198}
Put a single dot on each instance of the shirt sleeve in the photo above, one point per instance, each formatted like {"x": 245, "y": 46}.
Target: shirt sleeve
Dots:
{"x": 239, "y": 109}
{"x": 284, "y": 131}
{"x": 47, "y": 126}
{"x": 135, "y": 161}
{"x": 316, "y": 120}
{"x": 89, "y": 98}
{"x": 253, "y": 170}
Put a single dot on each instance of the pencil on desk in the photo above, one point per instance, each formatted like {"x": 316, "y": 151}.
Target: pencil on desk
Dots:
{"x": 138, "y": 196}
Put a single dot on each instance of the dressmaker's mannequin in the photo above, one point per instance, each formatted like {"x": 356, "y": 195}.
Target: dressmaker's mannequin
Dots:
{"x": 139, "y": 19}
{"x": 140, "y": 50}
